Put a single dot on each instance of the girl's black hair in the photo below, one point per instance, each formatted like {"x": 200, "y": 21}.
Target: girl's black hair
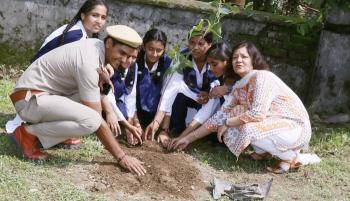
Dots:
{"x": 155, "y": 35}
{"x": 219, "y": 51}
{"x": 85, "y": 8}
{"x": 222, "y": 52}
{"x": 208, "y": 37}
{"x": 152, "y": 35}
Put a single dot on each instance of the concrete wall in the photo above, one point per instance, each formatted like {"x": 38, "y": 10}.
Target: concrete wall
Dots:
{"x": 24, "y": 24}
{"x": 332, "y": 73}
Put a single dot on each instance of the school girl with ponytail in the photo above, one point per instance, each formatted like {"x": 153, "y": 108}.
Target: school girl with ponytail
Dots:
{"x": 87, "y": 23}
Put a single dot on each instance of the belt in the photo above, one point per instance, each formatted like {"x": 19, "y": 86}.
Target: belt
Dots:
{"x": 19, "y": 95}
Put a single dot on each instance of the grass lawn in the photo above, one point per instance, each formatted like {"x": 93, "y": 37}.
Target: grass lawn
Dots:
{"x": 26, "y": 180}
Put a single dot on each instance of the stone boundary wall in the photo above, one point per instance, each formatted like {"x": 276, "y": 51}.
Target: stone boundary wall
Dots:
{"x": 25, "y": 23}
{"x": 331, "y": 84}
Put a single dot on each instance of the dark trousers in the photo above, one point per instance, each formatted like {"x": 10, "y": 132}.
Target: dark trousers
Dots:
{"x": 179, "y": 112}
{"x": 145, "y": 118}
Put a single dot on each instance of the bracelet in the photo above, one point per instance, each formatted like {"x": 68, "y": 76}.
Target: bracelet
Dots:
{"x": 121, "y": 158}
{"x": 157, "y": 122}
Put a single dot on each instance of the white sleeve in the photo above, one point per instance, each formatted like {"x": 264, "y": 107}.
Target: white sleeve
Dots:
{"x": 215, "y": 83}
{"x": 130, "y": 100}
{"x": 187, "y": 91}
{"x": 111, "y": 99}
{"x": 207, "y": 110}
{"x": 169, "y": 93}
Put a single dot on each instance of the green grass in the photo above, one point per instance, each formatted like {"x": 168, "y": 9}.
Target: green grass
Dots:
{"x": 27, "y": 180}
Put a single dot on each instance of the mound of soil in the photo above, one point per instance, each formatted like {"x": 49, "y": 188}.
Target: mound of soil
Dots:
{"x": 169, "y": 175}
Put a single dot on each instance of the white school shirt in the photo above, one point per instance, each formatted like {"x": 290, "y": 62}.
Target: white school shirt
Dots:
{"x": 129, "y": 100}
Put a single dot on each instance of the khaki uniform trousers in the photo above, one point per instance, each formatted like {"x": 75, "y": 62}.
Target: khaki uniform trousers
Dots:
{"x": 54, "y": 119}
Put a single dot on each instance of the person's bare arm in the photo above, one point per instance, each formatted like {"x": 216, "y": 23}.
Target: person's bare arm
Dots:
{"x": 234, "y": 122}
{"x": 163, "y": 137}
{"x": 153, "y": 126}
{"x": 182, "y": 142}
{"x": 111, "y": 117}
{"x": 106, "y": 137}
{"x": 193, "y": 126}
{"x": 133, "y": 131}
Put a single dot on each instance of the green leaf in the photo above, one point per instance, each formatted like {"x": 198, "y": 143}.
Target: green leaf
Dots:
{"x": 302, "y": 29}
{"x": 235, "y": 10}
{"x": 216, "y": 30}
{"x": 249, "y": 6}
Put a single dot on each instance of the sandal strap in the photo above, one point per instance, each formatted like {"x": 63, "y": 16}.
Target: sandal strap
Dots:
{"x": 278, "y": 168}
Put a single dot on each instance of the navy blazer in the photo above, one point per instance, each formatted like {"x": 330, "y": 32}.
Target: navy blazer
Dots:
{"x": 149, "y": 85}
{"x": 190, "y": 78}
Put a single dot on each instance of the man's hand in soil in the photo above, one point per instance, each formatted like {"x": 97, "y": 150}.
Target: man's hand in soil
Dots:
{"x": 133, "y": 165}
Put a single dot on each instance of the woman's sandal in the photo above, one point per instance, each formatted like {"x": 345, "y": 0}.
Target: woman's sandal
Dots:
{"x": 259, "y": 157}
{"x": 285, "y": 166}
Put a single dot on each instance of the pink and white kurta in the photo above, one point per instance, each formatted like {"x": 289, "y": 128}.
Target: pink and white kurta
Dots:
{"x": 269, "y": 110}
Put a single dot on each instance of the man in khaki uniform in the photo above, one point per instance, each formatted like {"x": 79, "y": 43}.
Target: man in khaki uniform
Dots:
{"x": 60, "y": 97}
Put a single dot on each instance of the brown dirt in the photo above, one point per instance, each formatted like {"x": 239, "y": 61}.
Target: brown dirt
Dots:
{"x": 177, "y": 176}
{"x": 169, "y": 175}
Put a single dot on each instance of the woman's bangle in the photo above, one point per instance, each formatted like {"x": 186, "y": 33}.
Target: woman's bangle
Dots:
{"x": 121, "y": 158}
{"x": 226, "y": 124}
{"x": 195, "y": 135}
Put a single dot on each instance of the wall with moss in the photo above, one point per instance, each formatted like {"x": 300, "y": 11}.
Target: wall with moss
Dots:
{"x": 25, "y": 23}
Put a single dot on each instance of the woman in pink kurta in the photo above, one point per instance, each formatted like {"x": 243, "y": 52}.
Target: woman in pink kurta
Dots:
{"x": 261, "y": 111}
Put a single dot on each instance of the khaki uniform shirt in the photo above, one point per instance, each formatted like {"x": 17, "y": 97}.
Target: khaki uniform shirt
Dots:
{"x": 67, "y": 70}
